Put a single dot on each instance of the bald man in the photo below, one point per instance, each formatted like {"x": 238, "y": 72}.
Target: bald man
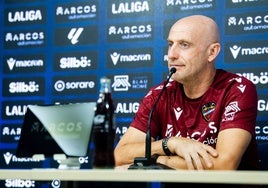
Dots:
{"x": 205, "y": 118}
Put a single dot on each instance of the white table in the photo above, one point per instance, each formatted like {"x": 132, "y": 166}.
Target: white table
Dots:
{"x": 119, "y": 175}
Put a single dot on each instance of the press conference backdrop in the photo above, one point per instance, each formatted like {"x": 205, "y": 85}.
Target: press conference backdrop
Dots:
{"x": 55, "y": 51}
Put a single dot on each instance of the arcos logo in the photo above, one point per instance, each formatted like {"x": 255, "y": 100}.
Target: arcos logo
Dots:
{"x": 30, "y": 38}
{"x": 254, "y": 22}
{"x": 77, "y": 11}
{"x": 130, "y": 32}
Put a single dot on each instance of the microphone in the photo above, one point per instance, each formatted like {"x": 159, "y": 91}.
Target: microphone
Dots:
{"x": 148, "y": 162}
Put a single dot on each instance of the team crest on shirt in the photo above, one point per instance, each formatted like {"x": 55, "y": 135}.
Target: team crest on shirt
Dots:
{"x": 207, "y": 110}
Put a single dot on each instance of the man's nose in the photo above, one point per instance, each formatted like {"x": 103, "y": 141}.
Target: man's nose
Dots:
{"x": 172, "y": 53}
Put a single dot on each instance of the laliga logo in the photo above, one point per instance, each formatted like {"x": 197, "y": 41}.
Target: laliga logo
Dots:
{"x": 74, "y": 34}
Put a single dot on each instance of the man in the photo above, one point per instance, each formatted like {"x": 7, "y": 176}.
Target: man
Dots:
{"x": 205, "y": 118}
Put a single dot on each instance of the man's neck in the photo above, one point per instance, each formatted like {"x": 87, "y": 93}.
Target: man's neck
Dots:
{"x": 200, "y": 85}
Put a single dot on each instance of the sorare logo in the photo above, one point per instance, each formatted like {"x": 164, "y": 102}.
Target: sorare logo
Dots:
{"x": 75, "y": 85}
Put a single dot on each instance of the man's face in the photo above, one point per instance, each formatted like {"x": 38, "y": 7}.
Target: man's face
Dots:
{"x": 187, "y": 51}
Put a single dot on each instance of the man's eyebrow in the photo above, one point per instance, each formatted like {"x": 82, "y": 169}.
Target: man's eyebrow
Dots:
{"x": 179, "y": 41}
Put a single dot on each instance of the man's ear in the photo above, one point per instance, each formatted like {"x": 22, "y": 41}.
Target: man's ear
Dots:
{"x": 213, "y": 51}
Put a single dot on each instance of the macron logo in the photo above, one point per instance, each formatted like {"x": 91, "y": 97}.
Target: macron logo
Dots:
{"x": 11, "y": 63}
{"x": 7, "y": 157}
{"x": 235, "y": 50}
{"x": 115, "y": 57}
{"x": 241, "y": 88}
{"x": 74, "y": 34}
{"x": 178, "y": 112}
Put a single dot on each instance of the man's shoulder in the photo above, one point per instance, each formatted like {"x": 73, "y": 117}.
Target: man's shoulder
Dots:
{"x": 228, "y": 78}
{"x": 170, "y": 87}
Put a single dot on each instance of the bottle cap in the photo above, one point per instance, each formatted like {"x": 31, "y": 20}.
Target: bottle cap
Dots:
{"x": 105, "y": 80}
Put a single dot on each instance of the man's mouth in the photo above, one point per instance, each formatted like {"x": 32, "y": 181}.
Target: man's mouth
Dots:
{"x": 177, "y": 66}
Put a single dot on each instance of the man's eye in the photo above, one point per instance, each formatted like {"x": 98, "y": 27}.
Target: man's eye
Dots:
{"x": 184, "y": 44}
{"x": 170, "y": 44}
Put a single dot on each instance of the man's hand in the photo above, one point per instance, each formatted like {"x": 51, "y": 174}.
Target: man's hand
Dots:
{"x": 196, "y": 154}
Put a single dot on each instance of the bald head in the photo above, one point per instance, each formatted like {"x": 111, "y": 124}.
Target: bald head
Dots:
{"x": 204, "y": 27}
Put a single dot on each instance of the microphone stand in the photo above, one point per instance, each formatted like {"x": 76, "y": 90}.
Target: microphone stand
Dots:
{"x": 149, "y": 162}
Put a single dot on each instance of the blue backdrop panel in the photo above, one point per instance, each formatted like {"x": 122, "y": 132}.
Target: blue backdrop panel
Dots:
{"x": 55, "y": 51}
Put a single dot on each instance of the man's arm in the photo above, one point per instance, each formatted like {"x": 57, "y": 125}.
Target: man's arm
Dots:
{"x": 132, "y": 145}
{"x": 187, "y": 153}
{"x": 231, "y": 145}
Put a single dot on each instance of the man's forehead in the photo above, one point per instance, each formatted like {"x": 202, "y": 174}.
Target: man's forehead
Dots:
{"x": 181, "y": 34}
{"x": 186, "y": 26}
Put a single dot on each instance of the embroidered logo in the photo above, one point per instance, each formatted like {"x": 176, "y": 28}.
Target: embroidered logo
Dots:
{"x": 242, "y": 88}
{"x": 169, "y": 130}
{"x": 230, "y": 111}
{"x": 207, "y": 110}
{"x": 178, "y": 112}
